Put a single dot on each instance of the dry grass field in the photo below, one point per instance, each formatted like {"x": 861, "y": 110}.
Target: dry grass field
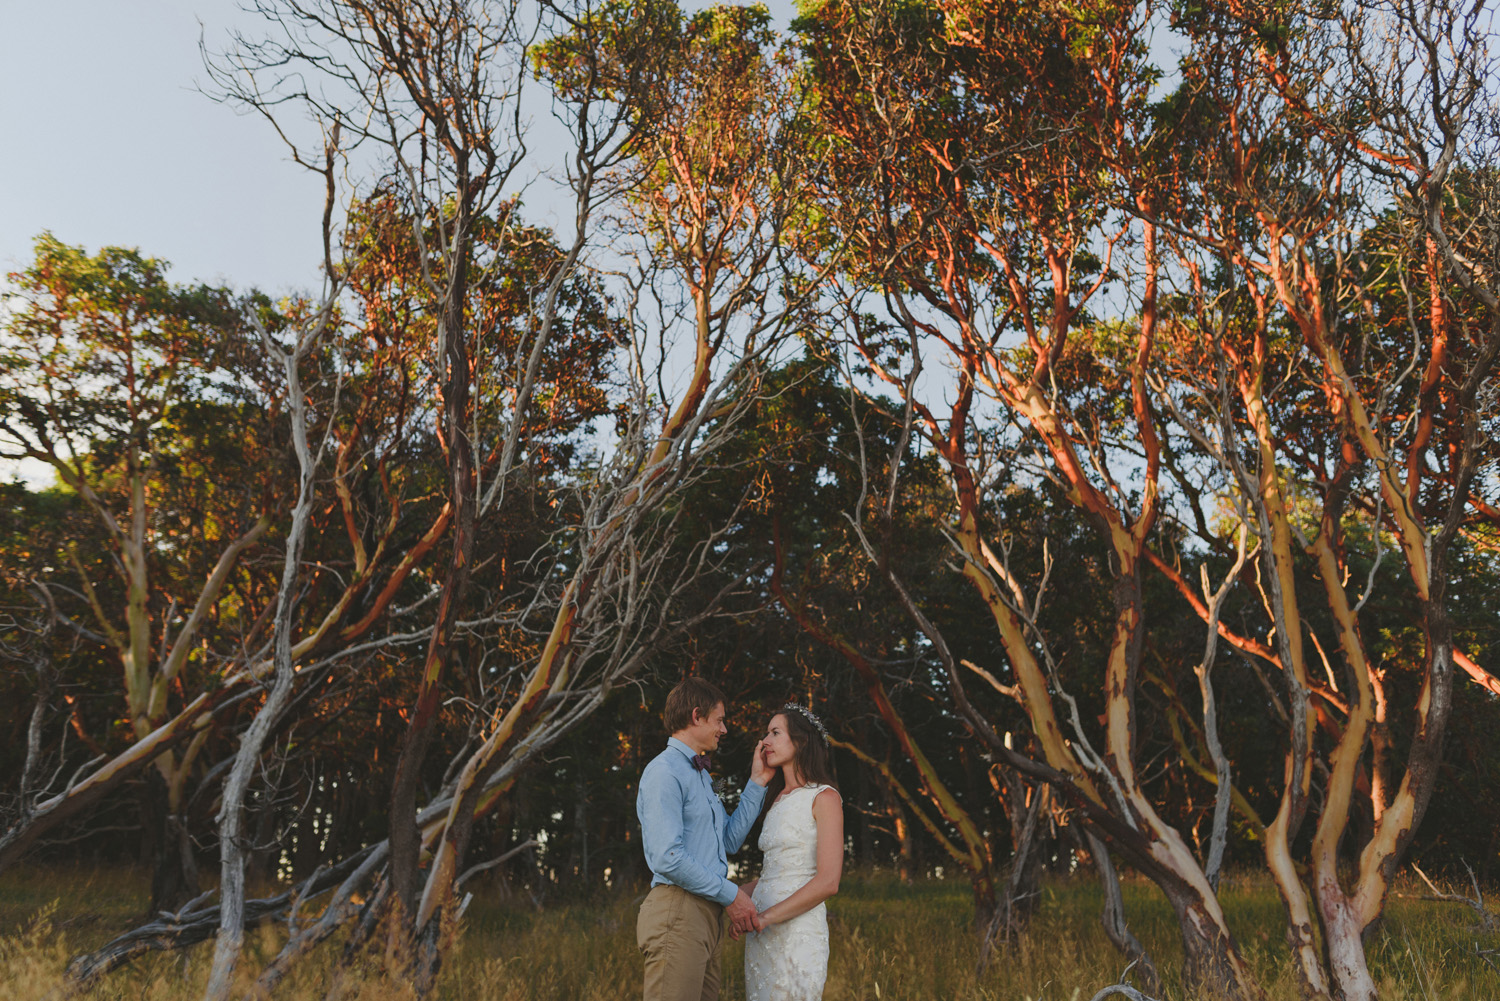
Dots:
{"x": 890, "y": 941}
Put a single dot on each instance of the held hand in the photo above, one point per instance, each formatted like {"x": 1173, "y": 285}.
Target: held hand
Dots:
{"x": 742, "y": 916}
{"x": 760, "y": 772}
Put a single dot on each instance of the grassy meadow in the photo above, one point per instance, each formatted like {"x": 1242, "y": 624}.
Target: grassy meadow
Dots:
{"x": 890, "y": 941}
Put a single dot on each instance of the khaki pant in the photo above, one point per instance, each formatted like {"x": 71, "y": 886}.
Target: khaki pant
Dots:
{"x": 679, "y": 934}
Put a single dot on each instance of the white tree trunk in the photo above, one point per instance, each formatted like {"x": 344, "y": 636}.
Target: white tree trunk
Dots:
{"x": 230, "y": 939}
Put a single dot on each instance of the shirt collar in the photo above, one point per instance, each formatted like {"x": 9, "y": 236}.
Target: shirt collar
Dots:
{"x": 681, "y": 746}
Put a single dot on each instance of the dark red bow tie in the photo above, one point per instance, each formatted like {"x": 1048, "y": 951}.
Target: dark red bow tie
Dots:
{"x": 700, "y": 762}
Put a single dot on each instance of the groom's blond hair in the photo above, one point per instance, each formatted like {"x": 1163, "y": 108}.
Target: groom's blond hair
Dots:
{"x": 689, "y": 694}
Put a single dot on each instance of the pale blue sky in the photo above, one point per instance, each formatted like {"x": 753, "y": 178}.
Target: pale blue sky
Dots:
{"x": 106, "y": 141}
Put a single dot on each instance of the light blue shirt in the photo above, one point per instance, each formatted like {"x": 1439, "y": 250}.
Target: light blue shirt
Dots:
{"x": 684, "y": 829}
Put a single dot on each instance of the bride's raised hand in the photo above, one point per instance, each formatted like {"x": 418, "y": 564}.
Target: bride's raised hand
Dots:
{"x": 760, "y": 771}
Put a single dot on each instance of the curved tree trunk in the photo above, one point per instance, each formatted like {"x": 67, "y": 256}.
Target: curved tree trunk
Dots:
{"x": 229, "y": 939}
{"x": 1113, "y": 917}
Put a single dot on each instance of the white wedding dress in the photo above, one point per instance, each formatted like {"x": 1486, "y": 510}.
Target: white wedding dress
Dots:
{"x": 788, "y": 961}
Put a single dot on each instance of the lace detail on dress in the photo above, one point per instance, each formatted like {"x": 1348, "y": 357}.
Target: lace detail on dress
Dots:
{"x": 789, "y": 961}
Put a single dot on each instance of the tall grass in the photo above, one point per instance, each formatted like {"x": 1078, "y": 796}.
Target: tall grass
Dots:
{"x": 890, "y": 941}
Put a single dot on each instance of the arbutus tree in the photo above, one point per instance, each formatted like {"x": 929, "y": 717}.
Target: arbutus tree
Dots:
{"x": 99, "y": 354}
{"x": 981, "y": 136}
{"x": 707, "y": 189}
{"x": 1344, "y": 345}
{"x": 220, "y": 409}
{"x": 701, "y": 189}
{"x": 437, "y": 89}
{"x": 232, "y": 855}
{"x": 1193, "y": 402}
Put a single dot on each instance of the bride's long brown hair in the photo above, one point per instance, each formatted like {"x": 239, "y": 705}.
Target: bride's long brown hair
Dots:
{"x": 811, "y": 756}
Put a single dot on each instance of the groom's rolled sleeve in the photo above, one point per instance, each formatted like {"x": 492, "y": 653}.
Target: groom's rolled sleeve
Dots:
{"x": 659, "y": 806}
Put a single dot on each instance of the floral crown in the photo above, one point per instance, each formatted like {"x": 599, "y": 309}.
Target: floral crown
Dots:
{"x": 808, "y": 715}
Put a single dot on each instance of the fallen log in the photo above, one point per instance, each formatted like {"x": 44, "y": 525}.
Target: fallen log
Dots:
{"x": 196, "y": 923}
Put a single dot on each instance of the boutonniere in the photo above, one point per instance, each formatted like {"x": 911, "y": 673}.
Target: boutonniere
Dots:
{"x": 721, "y": 786}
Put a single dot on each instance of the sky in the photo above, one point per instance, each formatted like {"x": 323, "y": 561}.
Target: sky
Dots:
{"x": 107, "y": 141}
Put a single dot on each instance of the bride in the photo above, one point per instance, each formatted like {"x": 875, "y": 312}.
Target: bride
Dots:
{"x": 803, "y": 842}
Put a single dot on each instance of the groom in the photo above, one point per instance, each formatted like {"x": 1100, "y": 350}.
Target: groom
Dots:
{"x": 688, "y": 838}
